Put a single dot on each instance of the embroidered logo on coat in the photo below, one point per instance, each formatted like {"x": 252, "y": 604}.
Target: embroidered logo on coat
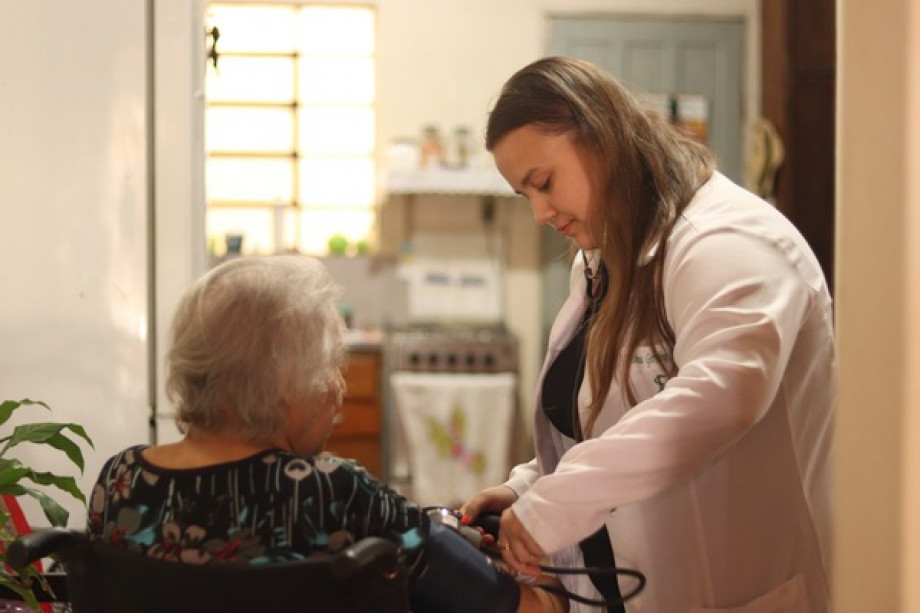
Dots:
{"x": 649, "y": 365}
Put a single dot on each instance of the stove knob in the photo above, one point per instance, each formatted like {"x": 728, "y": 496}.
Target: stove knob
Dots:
{"x": 470, "y": 361}
{"x": 415, "y": 360}
{"x": 433, "y": 360}
{"x": 488, "y": 361}
{"x": 452, "y": 360}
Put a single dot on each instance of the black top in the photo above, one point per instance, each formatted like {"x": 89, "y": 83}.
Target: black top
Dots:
{"x": 560, "y": 403}
{"x": 271, "y": 506}
{"x": 565, "y": 375}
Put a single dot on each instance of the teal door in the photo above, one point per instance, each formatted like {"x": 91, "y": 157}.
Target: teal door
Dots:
{"x": 669, "y": 57}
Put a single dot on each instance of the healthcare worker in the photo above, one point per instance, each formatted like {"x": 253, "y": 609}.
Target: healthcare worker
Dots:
{"x": 684, "y": 416}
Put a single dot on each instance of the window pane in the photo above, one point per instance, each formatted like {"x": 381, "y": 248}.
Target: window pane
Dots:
{"x": 317, "y": 226}
{"x": 249, "y": 129}
{"x": 249, "y": 180}
{"x": 336, "y": 30}
{"x": 251, "y": 79}
{"x": 332, "y": 131}
{"x": 337, "y": 80}
{"x": 255, "y": 225}
{"x": 253, "y": 28}
{"x": 337, "y": 182}
{"x": 329, "y": 143}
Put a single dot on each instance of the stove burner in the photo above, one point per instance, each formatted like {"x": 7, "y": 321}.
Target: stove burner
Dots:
{"x": 453, "y": 351}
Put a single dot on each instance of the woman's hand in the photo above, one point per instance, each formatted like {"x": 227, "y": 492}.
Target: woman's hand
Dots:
{"x": 519, "y": 550}
{"x": 495, "y": 499}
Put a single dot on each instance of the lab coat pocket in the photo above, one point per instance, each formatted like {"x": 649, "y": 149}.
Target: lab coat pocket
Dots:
{"x": 788, "y": 597}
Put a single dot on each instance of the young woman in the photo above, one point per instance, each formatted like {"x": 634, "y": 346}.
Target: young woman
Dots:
{"x": 683, "y": 420}
{"x": 254, "y": 369}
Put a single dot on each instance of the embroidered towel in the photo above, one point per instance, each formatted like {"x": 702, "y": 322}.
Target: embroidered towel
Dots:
{"x": 457, "y": 430}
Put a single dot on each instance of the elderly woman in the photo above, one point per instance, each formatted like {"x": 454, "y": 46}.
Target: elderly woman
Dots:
{"x": 254, "y": 370}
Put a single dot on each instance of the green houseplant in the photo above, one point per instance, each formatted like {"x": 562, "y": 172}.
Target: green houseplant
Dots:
{"x": 18, "y": 480}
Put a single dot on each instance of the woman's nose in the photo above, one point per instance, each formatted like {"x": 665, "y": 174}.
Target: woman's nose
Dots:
{"x": 543, "y": 213}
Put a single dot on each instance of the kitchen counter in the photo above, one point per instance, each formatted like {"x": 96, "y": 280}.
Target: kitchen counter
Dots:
{"x": 364, "y": 340}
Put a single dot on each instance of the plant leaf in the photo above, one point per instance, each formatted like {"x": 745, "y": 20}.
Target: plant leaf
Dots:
{"x": 42, "y": 431}
{"x": 55, "y": 513}
{"x": 68, "y": 484}
{"x": 81, "y": 432}
{"x": 69, "y": 447}
{"x": 11, "y": 471}
{"x": 29, "y": 575}
{"x": 24, "y": 592}
{"x": 51, "y": 434}
{"x": 8, "y": 406}
{"x": 66, "y": 445}
{"x": 38, "y": 433}
{"x": 13, "y": 489}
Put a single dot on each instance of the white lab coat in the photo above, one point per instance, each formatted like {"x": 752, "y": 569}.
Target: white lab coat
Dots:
{"x": 720, "y": 478}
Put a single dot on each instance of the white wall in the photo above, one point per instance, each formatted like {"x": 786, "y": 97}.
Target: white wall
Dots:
{"x": 877, "y": 501}
{"x": 73, "y": 213}
{"x": 444, "y": 61}
{"x": 77, "y": 126}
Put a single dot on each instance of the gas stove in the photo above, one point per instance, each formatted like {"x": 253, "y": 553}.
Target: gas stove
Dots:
{"x": 453, "y": 350}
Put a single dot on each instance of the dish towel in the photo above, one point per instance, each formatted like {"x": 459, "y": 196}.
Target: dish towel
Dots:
{"x": 457, "y": 430}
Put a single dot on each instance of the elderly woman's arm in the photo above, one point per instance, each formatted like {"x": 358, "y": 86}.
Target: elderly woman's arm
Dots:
{"x": 537, "y": 600}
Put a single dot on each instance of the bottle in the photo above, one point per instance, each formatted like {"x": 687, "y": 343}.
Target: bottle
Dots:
{"x": 432, "y": 147}
{"x": 462, "y": 146}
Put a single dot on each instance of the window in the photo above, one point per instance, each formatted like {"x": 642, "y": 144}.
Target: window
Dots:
{"x": 290, "y": 126}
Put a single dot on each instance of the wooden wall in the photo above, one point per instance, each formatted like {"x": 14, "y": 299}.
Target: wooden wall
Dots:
{"x": 798, "y": 85}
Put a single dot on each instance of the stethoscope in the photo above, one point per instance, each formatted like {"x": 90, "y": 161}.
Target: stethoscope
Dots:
{"x": 483, "y": 533}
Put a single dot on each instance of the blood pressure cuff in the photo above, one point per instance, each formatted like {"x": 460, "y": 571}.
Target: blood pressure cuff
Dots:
{"x": 455, "y": 577}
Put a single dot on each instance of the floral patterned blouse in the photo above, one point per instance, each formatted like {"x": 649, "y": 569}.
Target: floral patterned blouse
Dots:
{"x": 268, "y": 507}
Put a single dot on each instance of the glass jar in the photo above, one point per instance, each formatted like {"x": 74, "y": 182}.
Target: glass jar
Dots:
{"x": 432, "y": 147}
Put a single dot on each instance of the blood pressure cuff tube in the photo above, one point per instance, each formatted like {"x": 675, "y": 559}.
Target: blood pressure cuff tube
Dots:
{"x": 455, "y": 577}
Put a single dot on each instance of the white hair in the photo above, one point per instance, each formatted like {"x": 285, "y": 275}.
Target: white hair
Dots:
{"x": 250, "y": 331}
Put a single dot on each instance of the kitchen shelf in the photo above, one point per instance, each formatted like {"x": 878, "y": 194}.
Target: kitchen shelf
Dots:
{"x": 467, "y": 181}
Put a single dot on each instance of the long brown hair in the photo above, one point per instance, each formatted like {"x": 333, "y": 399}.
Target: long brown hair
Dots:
{"x": 651, "y": 171}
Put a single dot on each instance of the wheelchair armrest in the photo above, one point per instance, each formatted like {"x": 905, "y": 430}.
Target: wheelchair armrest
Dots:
{"x": 41, "y": 543}
{"x": 368, "y": 552}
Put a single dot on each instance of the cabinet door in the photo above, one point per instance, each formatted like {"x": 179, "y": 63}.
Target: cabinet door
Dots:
{"x": 357, "y": 435}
